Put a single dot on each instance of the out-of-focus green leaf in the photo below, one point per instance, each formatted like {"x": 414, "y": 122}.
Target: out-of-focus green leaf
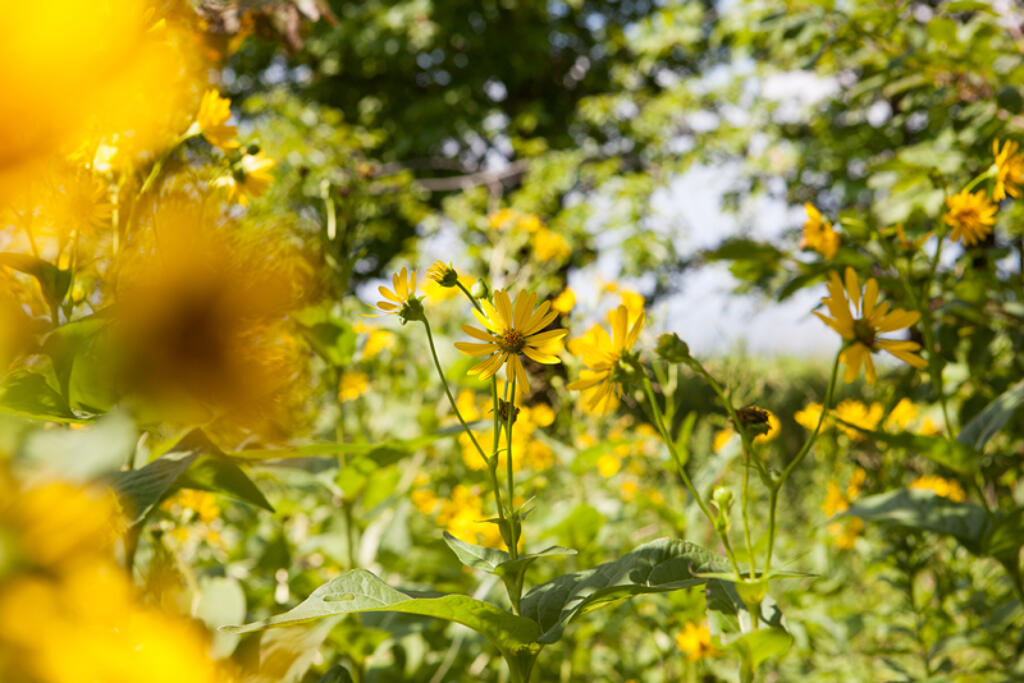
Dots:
{"x": 924, "y": 511}
{"x": 53, "y": 281}
{"x": 358, "y": 590}
{"x": 28, "y": 394}
{"x": 97, "y": 448}
{"x": 957, "y": 456}
{"x": 760, "y": 645}
{"x": 657, "y": 567}
{"x": 993, "y": 418}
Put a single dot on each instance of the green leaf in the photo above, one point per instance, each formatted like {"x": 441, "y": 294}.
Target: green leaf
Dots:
{"x": 1005, "y": 538}
{"x": 925, "y": 511}
{"x": 27, "y": 394}
{"x": 476, "y": 556}
{"x": 657, "y": 567}
{"x": 760, "y": 645}
{"x": 98, "y": 448}
{"x": 358, "y": 590}
{"x": 517, "y": 567}
{"x": 336, "y": 674}
{"x": 52, "y": 280}
{"x": 993, "y": 418}
{"x": 194, "y": 463}
{"x": 956, "y": 455}
{"x": 384, "y": 452}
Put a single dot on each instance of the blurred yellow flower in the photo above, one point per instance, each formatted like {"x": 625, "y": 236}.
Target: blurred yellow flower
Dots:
{"x": 608, "y": 464}
{"x": 565, "y": 301}
{"x": 633, "y": 301}
{"x": 528, "y": 452}
{"x": 213, "y": 115}
{"x": 529, "y": 222}
{"x": 929, "y": 428}
{"x": 502, "y": 218}
{"x": 352, "y": 385}
{"x": 856, "y": 413}
{"x": 1009, "y": 170}
{"x": 377, "y": 341}
{"x": 549, "y": 245}
{"x": 970, "y": 215}
{"x": 601, "y": 354}
{"x": 863, "y": 331}
{"x": 844, "y": 532}
{"x": 250, "y": 177}
{"x": 463, "y": 516}
{"x": 629, "y": 488}
{"x": 808, "y": 417}
{"x": 818, "y": 233}
{"x": 203, "y": 503}
{"x": 508, "y": 331}
{"x": 947, "y": 488}
{"x": 902, "y": 414}
{"x": 695, "y": 641}
{"x": 721, "y": 439}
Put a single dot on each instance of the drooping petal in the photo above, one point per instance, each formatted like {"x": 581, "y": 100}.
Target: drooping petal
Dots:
{"x": 540, "y": 357}
{"x": 897, "y": 320}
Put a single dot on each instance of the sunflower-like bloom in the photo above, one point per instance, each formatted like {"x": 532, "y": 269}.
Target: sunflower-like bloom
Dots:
{"x": 1009, "y": 170}
{"x": 863, "y": 331}
{"x": 511, "y": 329}
{"x": 695, "y": 641}
{"x": 213, "y": 115}
{"x": 601, "y": 354}
{"x": 970, "y": 215}
{"x": 250, "y": 177}
{"x": 402, "y": 299}
{"x": 443, "y": 274}
{"x": 818, "y": 233}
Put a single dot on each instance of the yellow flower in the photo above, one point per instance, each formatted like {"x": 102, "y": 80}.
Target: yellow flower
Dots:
{"x": 601, "y": 354}
{"x": 249, "y": 178}
{"x": 502, "y": 218}
{"x": 377, "y": 341}
{"x": 203, "y": 503}
{"x": 1009, "y": 165}
{"x": 564, "y": 302}
{"x": 856, "y": 413}
{"x": 629, "y": 489}
{"x": 548, "y": 245}
{"x": 352, "y": 385}
{"x": 773, "y": 429}
{"x": 443, "y": 273}
{"x": 929, "y": 428}
{"x": 970, "y": 215}
{"x": 633, "y": 301}
{"x": 809, "y": 416}
{"x": 508, "y": 331}
{"x": 903, "y": 413}
{"x": 818, "y": 234}
{"x": 214, "y": 112}
{"x": 401, "y": 298}
{"x": 863, "y": 331}
{"x": 947, "y": 488}
{"x": 844, "y": 532}
{"x": 529, "y": 222}
{"x": 608, "y": 464}
{"x": 722, "y": 437}
{"x": 835, "y": 501}
{"x": 695, "y": 641}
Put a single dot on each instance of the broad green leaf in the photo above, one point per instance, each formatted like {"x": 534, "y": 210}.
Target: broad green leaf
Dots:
{"x": 27, "y": 394}
{"x": 195, "y": 463}
{"x": 760, "y": 645}
{"x": 1005, "y": 538}
{"x": 358, "y": 590}
{"x": 476, "y": 556}
{"x": 220, "y": 601}
{"x": 78, "y": 361}
{"x": 336, "y": 674}
{"x": 385, "y": 452}
{"x": 656, "y": 567}
{"x": 518, "y": 566}
{"x": 53, "y": 281}
{"x": 957, "y": 456}
{"x": 993, "y": 418}
{"x": 925, "y": 511}
{"x": 92, "y": 450}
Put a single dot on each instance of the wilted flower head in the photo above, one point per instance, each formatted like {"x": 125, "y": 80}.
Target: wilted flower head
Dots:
{"x": 863, "y": 332}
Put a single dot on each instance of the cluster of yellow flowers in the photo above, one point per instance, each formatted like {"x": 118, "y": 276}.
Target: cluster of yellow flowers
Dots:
{"x": 947, "y": 488}
{"x": 530, "y": 453}
{"x": 854, "y": 412}
{"x": 68, "y": 613}
{"x": 547, "y": 245}
{"x": 695, "y": 641}
{"x": 462, "y": 514}
{"x": 845, "y": 532}
{"x": 971, "y": 215}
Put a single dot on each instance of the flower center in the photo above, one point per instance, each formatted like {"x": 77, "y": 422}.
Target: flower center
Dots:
{"x": 864, "y": 332}
{"x": 512, "y": 341}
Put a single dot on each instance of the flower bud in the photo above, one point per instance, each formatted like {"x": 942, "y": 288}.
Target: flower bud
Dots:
{"x": 672, "y": 348}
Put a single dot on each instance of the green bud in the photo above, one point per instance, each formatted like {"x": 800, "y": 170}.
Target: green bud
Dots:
{"x": 672, "y": 348}
{"x": 722, "y": 497}
{"x": 480, "y": 290}
{"x": 412, "y": 310}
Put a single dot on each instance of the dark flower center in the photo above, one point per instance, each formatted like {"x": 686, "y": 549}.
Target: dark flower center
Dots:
{"x": 512, "y": 341}
{"x": 864, "y": 332}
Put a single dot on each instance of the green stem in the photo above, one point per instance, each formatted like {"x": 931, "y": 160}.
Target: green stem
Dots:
{"x": 448, "y": 392}
{"x": 773, "y": 501}
{"x": 511, "y": 402}
{"x": 472, "y": 299}
{"x": 660, "y": 425}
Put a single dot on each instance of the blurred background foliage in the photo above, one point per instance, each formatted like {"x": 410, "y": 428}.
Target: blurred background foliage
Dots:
{"x": 527, "y": 141}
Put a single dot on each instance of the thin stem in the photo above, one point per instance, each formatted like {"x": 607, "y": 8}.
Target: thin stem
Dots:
{"x": 510, "y": 402}
{"x": 472, "y": 299}
{"x": 448, "y": 391}
{"x": 660, "y": 425}
{"x": 746, "y": 510}
{"x": 774, "y": 494}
